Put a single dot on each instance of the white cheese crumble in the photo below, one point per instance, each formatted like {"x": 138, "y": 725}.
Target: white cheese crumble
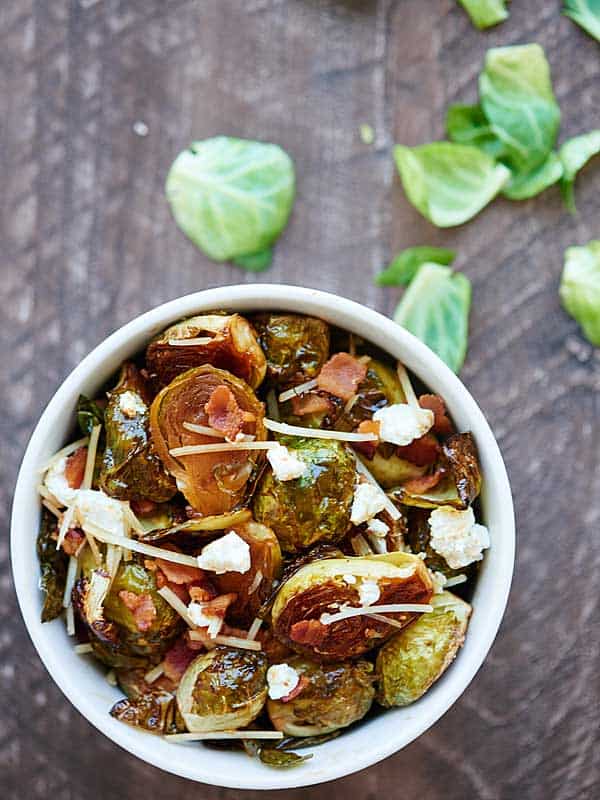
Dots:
{"x": 286, "y": 466}
{"x": 368, "y": 501}
{"x": 100, "y": 510}
{"x": 230, "y": 553}
{"x": 368, "y": 593}
{"x": 57, "y": 484}
{"x": 350, "y": 579}
{"x": 401, "y": 423}
{"x": 439, "y": 581}
{"x": 131, "y": 404}
{"x": 199, "y": 617}
{"x": 281, "y": 679}
{"x": 457, "y": 537}
{"x": 378, "y": 528}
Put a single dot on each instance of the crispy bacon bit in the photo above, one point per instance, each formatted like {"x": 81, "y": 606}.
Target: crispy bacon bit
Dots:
{"x": 367, "y": 449}
{"x": 308, "y": 632}
{"x": 202, "y": 593}
{"x": 422, "y": 452}
{"x": 299, "y": 687}
{"x": 75, "y": 467}
{"x": 441, "y": 421}
{"x": 424, "y": 483}
{"x": 179, "y": 573}
{"x": 177, "y": 659}
{"x": 143, "y": 508}
{"x": 341, "y": 375}
{"x": 310, "y": 403}
{"x": 73, "y": 541}
{"x": 216, "y": 607}
{"x": 223, "y": 412}
{"x": 141, "y": 606}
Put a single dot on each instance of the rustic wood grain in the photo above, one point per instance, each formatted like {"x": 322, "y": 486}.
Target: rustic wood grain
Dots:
{"x": 88, "y": 242}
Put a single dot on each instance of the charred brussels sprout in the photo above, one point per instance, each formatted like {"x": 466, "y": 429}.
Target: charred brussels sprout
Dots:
{"x": 312, "y": 508}
{"x": 416, "y": 657}
{"x": 154, "y": 709}
{"x": 296, "y": 347}
{"x": 53, "y": 568}
{"x": 226, "y": 341}
{"x": 213, "y": 483}
{"x": 317, "y": 591}
{"x": 333, "y": 696}
{"x": 131, "y": 470}
{"x": 223, "y": 689}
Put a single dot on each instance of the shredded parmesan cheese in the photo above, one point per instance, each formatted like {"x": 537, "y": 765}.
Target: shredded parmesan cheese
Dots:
{"x": 82, "y": 649}
{"x": 144, "y": 549}
{"x": 458, "y": 579}
{"x": 230, "y": 641}
{"x": 155, "y": 673}
{"x": 93, "y": 547}
{"x": 256, "y": 581}
{"x": 199, "y": 341}
{"x": 378, "y": 543}
{"x": 350, "y": 403}
{"x": 199, "y": 737}
{"x": 226, "y": 447}
{"x": 392, "y": 608}
{"x": 70, "y": 620}
{"x": 318, "y": 433}
{"x": 52, "y": 508}
{"x": 72, "y": 570}
{"x": 389, "y": 620}
{"x": 389, "y": 506}
{"x": 111, "y": 677}
{"x": 176, "y": 603}
{"x": 296, "y": 391}
{"x": 205, "y": 430}
{"x": 66, "y": 451}
{"x": 90, "y": 463}
{"x": 254, "y": 629}
{"x": 409, "y": 392}
{"x": 67, "y": 521}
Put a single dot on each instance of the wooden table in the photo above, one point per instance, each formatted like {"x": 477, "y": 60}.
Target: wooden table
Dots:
{"x": 88, "y": 242}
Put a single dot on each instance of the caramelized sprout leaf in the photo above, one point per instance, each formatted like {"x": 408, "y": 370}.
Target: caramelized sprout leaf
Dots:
{"x": 53, "y": 568}
{"x": 282, "y": 759}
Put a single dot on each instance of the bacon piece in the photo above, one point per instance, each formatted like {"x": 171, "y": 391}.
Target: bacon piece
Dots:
{"x": 177, "y": 659}
{"x": 341, "y": 375}
{"x": 441, "y": 421}
{"x": 202, "y": 591}
{"x": 179, "y": 573}
{"x": 73, "y": 540}
{"x": 143, "y": 508}
{"x": 141, "y": 606}
{"x": 223, "y": 412}
{"x": 75, "y": 467}
{"x": 310, "y": 403}
{"x": 422, "y": 452}
{"x": 367, "y": 449}
{"x": 424, "y": 483}
{"x": 216, "y": 607}
{"x": 308, "y": 632}
{"x": 299, "y": 687}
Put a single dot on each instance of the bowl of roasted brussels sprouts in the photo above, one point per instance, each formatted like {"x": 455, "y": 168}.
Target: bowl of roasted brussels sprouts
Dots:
{"x": 262, "y": 537}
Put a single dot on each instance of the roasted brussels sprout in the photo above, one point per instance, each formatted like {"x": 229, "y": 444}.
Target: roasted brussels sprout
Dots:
{"x": 53, "y": 567}
{"x": 410, "y": 662}
{"x": 322, "y": 588}
{"x": 223, "y": 689}
{"x": 333, "y": 696}
{"x": 131, "y": 470}
{"x": 226, "y": 341}
{"x": 213, "y": 483}
{"x": 151, "y": 707}
{"x": 312, "y": 508}
{"x": 89, "y": 414}
{"x": 296, "y": 346}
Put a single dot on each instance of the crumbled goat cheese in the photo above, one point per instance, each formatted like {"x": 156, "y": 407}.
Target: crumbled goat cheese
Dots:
{"x": 286, "y": 466}
{"x": 100, "y": 510}
{"x": 401, "y": 423}
{"x": 349, "y": 579}
{"x": 439, "y": 581}
{"x": 368, "y": 593}
{"x": 200, "y": 618}
{"x": 131, "y": 404}
{"x": 457, "y": 537}
{"x": 368, "y": 501}
{"x": 377, "y": 527}
{"x": 282, "y": 679}
{"x": 230, "y": 553}
{"x": 57, "y": 484}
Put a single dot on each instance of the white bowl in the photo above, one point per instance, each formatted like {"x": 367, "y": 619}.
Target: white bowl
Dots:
{"x": 83, "y": 682}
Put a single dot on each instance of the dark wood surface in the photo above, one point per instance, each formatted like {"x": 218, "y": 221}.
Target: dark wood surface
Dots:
{"x": 87, "y": 242}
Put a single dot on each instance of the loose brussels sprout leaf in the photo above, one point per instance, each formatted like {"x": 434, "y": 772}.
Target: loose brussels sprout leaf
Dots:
{"x": 198, "y": 527}
{"x": 256, "y": 262}
{"x": 405, "y": 265}
{"x": 580, "y": 288}
{"x": 53, "y": 568}
{"x": 333, "y": 697}
{"x": 586, "y": 13}
{"x": 131, "y": 470}
{"x": 410, "y": 662}
{"x": 227, "y": 341}
{"x": 469, "y": 125}
{"x": 296, "y": 347}
{"x": 134, "y": 684}
{"x": 154, "y": 711}
{"x": 223, "y": 689}
{"x": 435, "y": 309}
{"x": 320, "y": 588}
{"x": 444, "y": 494}
{"x": 517, "y": 98}
{"x": 574, "y": 155}
{"x": 89, "y": 414}
{"x": 281, "y": 759}
{"x": 213, "y": 483}
{"x": 232, "y": 197}
{"x": 312, "y": 508}
{"x": 528, "y": 184}
{"x": 485, "y": 13}
{"x": 299, "y": 743}
{"x": 449, "y": 183}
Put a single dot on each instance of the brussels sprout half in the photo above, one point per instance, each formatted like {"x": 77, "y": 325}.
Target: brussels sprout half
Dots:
{"x": 53, "y": 567}
{"x": 213, "y": 483}
{"x": 325, "y": 586}
{"x": 296, "y": 347}
{"x": 334, "y": 696}
{"x": 312, "y": 508}
{"x": 131, "y": 470}
{"x": 226, "y": 341}
{"x": 223, "y": 689}
{"x": 410, "y": 662}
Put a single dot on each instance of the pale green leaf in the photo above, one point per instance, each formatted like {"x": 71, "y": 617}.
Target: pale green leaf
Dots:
{"x": 574, "y": 154}
{"x": 580, "y": 288}
{"x": 586, "y": 13}
{"x": 527, "y": 184}
{"x": 435, "y": 308}
{"x": 485, "y": 13}
{"x": 469, "y": 125}
{"x": 449, "y": 183}
{"x": 405, "y": 265}
{"x": 232, "y": 197}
